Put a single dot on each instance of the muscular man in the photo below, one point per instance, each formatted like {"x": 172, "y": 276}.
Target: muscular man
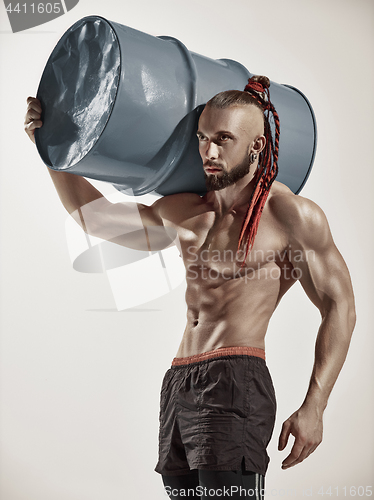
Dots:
{"x": 244, "y": 244}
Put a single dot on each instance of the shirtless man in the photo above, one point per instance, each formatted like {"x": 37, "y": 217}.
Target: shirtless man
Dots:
{"x": 217, "y": 399}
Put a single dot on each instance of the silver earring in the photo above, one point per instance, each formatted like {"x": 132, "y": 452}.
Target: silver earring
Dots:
{"x": 252, "y": 157}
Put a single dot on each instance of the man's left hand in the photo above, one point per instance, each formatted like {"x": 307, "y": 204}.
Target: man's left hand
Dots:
{"x": 306, "y": 426}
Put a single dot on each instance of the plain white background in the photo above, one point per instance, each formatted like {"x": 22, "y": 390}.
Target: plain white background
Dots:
{"x": 80, "y": 380}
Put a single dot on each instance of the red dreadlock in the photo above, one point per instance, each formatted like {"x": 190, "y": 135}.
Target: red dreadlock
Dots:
{"x": 258, "y": 88}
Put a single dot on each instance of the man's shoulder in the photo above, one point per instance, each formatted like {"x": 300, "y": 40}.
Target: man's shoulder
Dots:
{"x": 294, "y": 212}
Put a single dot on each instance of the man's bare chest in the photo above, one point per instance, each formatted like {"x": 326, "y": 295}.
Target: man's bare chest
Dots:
{"x": 211, "y": 241}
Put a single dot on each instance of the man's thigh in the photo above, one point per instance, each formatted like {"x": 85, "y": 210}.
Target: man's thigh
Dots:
{"x": 206, "y": 484}
{"x": 232, "y": 485}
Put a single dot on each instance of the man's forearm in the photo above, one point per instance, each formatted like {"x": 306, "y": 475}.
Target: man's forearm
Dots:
{"x": 331, "y": 350}
{"x": 74, "y": 191}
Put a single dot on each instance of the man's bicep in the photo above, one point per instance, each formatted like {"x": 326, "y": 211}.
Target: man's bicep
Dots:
{"x": 321, "y": 269}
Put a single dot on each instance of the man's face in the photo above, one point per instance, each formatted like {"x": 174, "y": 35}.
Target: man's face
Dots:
{"x": 226, "y": 139}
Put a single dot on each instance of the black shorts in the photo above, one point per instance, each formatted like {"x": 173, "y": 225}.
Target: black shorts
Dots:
{"x": 216, "y": 409}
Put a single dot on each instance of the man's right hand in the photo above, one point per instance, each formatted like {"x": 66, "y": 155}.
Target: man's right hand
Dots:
{"x": 32, "y": 117}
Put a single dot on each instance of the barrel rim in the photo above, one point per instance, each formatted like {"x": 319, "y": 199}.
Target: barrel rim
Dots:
{"x": 81, "y": 21}
{"x": 315, "y": 136}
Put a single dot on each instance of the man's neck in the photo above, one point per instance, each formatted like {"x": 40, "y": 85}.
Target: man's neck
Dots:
{"x": 234, "y": 198}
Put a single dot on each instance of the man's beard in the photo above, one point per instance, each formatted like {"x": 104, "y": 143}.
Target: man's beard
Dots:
{"x": 216, "y": 183}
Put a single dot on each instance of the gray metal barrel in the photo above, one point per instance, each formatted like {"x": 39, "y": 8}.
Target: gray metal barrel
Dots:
{"x": 122, "y": 106}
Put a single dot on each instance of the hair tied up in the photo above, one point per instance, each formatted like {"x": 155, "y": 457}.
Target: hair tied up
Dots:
{"x": 258, "y": 86}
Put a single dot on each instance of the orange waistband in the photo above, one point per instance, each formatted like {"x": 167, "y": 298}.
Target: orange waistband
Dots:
{"x": 217, "y": 353}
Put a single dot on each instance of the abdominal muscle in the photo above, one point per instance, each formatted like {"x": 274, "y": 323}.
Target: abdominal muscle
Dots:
{"x": 228, "y": 309}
